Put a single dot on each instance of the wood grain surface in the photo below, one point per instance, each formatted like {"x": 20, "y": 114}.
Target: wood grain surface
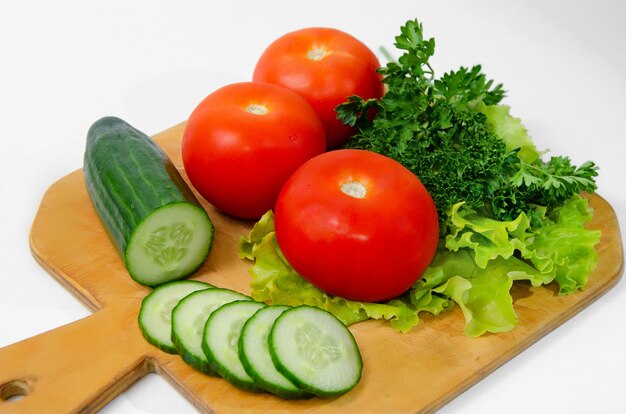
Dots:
{"x": 81, "y": 366}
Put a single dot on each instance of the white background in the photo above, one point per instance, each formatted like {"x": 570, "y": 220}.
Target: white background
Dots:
{"x": 64, "y": 64}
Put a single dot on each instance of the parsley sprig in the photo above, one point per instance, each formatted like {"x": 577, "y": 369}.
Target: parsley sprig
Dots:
{"x": 436, "y": 128}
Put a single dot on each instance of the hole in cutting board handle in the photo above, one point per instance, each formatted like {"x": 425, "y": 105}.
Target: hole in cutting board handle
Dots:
{"x": 14, "y": 390}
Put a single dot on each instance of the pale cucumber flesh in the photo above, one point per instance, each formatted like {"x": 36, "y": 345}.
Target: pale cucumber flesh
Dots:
{"x": 189, "y": 318}
{"x": 255, "y": 355}
{"x": 315, "y": 351}
{"x": 168, "y": 244}
{"x": 221, "y": 341}
{"x": 156, "y": 311}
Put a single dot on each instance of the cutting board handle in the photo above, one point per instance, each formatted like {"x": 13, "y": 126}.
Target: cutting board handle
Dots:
{"x": 78, "y": 367}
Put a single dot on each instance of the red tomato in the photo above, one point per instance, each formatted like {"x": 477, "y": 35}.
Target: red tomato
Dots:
{"x": 325, "y": 66}
{"x": 244, "y": 140}
{"x": 356, "y": 224}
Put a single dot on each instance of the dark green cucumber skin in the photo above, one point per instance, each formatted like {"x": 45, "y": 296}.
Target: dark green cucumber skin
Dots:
{"x": 128, "y": 176}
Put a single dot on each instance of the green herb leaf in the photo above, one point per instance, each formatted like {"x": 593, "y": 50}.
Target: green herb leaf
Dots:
{"x": 453, "y": 134}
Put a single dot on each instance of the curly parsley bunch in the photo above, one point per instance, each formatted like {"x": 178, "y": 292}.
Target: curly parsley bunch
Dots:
{"x": 454, "y": 134}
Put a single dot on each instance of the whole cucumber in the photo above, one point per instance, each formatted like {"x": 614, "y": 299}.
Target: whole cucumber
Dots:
{"x": 155, "y": 222}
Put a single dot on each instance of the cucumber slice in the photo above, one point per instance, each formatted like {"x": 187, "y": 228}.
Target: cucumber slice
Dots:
{"x": 221, "y": 338}
{"x": 189, "y": 318}
{"x": 155, "y": 314}
{"x": 312, "y": 348}
{"x": 254, "y": 353}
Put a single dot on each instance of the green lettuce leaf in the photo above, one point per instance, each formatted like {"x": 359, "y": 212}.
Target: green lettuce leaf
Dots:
{"x": 474, "y": 268}
{"x": 561, "y": 249}
{"x": 565, "y": 248}
{"x": 275, "y": 281}
{"x": 482, "y": 293}
{"x": 510, "y": 129}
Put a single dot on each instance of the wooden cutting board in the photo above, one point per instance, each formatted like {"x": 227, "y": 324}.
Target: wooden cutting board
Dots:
{"x": 81, "y": 366}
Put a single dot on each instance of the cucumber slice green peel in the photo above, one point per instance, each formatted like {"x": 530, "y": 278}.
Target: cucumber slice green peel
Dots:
{"x": 155, "y": 313}
{"x": 312, "y": 348}
{"x": 221, "y": 338}
{"x": 188, "y": 319}
{"x": 255, "y": 357}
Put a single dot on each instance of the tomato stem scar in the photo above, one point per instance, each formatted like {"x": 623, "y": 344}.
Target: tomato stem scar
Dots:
{"x": 317, "y": 53}
{"x": 354, "y": 189}
{"x": 257, "y": 109}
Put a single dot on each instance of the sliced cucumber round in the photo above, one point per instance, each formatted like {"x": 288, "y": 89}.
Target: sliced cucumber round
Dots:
{"x": 220, "y": 342}
{"x": 189, "y": 318}
{"x": 155, "y": 314}
{"x": 312, "y": 348}
{"x": 255, "y": 357}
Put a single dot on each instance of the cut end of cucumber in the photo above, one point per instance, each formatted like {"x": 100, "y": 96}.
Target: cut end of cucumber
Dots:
{"x": 169, "y": 244}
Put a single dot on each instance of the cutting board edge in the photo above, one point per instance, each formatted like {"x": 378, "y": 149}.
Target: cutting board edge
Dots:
{"x": 84, "y": 297}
